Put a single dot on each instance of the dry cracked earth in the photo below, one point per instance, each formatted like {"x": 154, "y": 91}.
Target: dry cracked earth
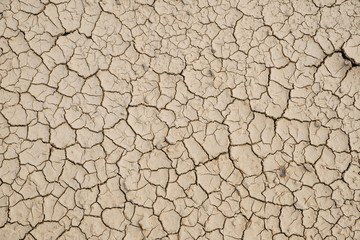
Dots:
{"x": 165, "y": 119}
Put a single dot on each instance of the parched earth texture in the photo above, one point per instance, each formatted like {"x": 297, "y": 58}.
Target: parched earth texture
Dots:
{"x": 179, "y": 119}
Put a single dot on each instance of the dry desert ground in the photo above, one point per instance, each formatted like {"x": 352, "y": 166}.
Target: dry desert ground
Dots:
{"x": 179, "y": 119}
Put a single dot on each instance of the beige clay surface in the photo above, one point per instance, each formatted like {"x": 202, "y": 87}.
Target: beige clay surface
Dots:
{"x": 179, "y": 119}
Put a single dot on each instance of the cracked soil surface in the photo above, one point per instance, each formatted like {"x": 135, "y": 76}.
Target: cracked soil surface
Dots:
{"x": 179, "y": 119}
